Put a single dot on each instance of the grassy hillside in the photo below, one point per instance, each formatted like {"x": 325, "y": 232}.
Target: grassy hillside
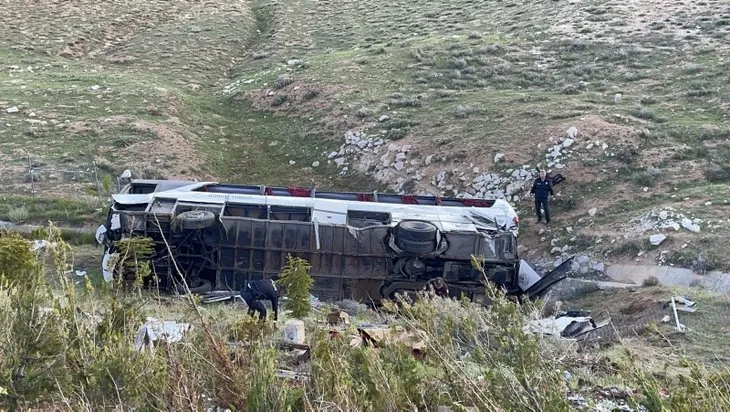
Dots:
{"x": 262, "y": 92}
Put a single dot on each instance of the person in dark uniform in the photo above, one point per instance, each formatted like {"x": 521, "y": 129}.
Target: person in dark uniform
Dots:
{"x": 541, "y": 189}
{"x": 438, "y": 287}
{"x": 256, "y": 290}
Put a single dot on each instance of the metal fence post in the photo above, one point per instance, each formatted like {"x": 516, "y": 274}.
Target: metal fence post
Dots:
{"x": 30, "y": 171}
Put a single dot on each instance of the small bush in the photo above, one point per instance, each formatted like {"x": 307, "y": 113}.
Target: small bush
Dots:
{"x": 644, "y": 179}
{"x": 364, "y": 112}
{"x": 571, "y": 89}
{"x": 279, "y": 100}
{"x": 310, "y": 94}
{"x": 396, "y": 134}
{"x": 18, "y": 215}
{"x": 648, "y": 100}
{"x": 716, "y": 173}
{"x": 651, "y": 281}
{"x": 692, "y": 68}
{"x": 459, "y": 63}
{"x": 644, "y": 113}
{"x": 297, "y": 283}
{"x": 463, "y": 112}
{"x": 407, "y": 102}
{"x": 282, "y": 81}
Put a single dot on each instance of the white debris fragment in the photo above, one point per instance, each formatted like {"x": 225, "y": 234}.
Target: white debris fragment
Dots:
{"x": 691, "y": 226}
{"x": 13, "y": 109}
{"x": 657, "y": 239}
{"x": 592, "y": 212}
{"x": 154, "y": 330}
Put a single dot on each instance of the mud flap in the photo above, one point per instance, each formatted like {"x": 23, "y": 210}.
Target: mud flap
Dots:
{"x": 555, "y": 275}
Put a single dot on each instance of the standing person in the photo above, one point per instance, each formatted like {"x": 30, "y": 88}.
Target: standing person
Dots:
{"x": 256, "y": 290}
{"x": 541, "y": 189}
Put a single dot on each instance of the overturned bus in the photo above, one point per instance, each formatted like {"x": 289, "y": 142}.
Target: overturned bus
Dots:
{"x": 362, "y": 246}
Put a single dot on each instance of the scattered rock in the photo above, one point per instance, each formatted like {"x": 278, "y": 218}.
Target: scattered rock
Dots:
{"x": 428, "y": 159}
{"x": 617, "y": 98}
{"x": 383, "y": 118}
{"x": 340, "y": 161}
{"x": 292, "y": 162}
{"x": 572, "y": 132}
{"x": 568, "y": 142}
{"x": 657, "y": 239}
{"x": 13, "y": 109}
{"x": 294, "y": 62}
{"x": 498, "y": 157}
{"x": 592, "y": 212}
{"x": 315, "y": 163}
{"x": 691, "y": 226}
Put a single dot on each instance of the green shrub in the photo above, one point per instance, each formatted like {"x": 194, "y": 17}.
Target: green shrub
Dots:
{"x": 297, "y": 283}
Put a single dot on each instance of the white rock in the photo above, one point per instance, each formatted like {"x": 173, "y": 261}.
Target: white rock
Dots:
{"x": 315, "y": 163}
{"x": 568, "y": 142}
{"x": 294, "y": 331}
{"x": 399, "y": 166}
{"x": 572, "y": 132}
{"x": 593, "y": 211}
{"x": 340, "y": 161}
{"x": 332, "y": 155}
{"x": 400, "y": 157}
{"x": 95, "y": 87}
{"x": 13, "y": 109}
{"x": 692, "y": 227}
{"x": 293, "y": 62}
{"x": 378, "y": 142}
{"x": 541, "y": 231}
{"x": 663, "y": 215}
{"x": 498, "y": 157}
{"x": 428, "y": 159}
{"x": 292, "y": 162}
{"x": 590, "y": 146}
{"x": 617, "y": 98}
{"x": 406, "y": 148}
{"x": 599, "y": 267}
{"x": 657, "y": 239}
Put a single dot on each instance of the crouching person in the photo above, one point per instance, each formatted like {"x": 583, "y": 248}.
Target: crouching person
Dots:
{"x": 437, "y": 286}
{"x": 257, "y": 290}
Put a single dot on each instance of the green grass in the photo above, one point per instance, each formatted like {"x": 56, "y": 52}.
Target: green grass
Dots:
{"x": 41, "y": 209}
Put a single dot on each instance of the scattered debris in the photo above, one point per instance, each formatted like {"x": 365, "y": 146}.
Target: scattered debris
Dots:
{"x": 383, "y": 118}
{"x": 154, "y": 330}
{"x": 294, "y": 331}
{"x": 80, "y": 273}
{"x": 568, "y": 325}
{"x": 338, "y": 318}
{"x": 657, "y": 239}
{"x": 690, "y": 225}
{"x": 297, "y": 376}
{"x": 13, "y": 109}
{"x": 680, "y": 327}
{"x": 682, "y": 304}
{"x": 377, "y": 335}
{"x": 39, "y": 244}
{"x": 592, "y": 212}
{"x": 572, "y": 133}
